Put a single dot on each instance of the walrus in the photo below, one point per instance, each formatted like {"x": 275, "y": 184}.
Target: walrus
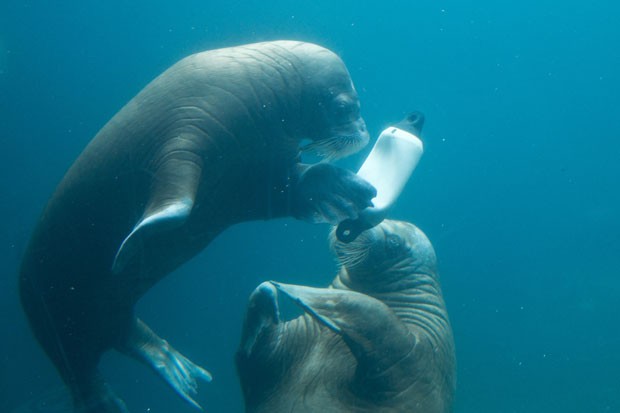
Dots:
{"x": 377, "y": 340}
{"x": 213, "y": 141}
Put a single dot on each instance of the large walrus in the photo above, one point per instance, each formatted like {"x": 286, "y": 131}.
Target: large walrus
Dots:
{"x": 213, "y": 141}
{"x": 378, "y": 340}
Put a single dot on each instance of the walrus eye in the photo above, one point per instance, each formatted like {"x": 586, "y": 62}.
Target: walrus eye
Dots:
{"x": 344, "y": 105}
{"x": 392, "y": 244}
{"x": 342, "y": 110}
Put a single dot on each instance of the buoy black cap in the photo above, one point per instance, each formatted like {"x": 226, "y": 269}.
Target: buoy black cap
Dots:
{"x": 412, "y": 123}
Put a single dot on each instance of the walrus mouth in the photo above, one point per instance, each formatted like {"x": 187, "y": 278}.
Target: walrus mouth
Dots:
{"x": 336, "y": 147}
{"x": 355, "y": 253}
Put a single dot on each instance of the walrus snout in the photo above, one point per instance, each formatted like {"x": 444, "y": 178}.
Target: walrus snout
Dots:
{"x": 380, "y": 232}
{"x": 390, "y": 244}
{"x": 356, "y": 253}
{"x": 355, "y": 126}
{"x": 343, "y": 140}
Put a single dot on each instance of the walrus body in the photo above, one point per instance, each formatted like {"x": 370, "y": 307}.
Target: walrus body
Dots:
{"x": 377, "y": 340}
{"x": 211, "y": 142}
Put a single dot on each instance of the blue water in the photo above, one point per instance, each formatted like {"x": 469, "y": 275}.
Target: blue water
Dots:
{"x": 518, "y": 188}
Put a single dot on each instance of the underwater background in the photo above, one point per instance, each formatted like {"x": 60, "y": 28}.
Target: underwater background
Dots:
{"x": 518, "y": 189}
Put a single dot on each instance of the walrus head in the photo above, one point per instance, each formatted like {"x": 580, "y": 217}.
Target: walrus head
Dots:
{"x": 385, "y": 259}
{"x": 330, "y": 104}
{"x": 377, "y": 340}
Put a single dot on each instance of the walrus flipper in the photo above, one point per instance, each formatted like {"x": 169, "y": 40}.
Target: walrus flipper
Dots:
{"x": 325, "y": 193}
{"x": 375, "y": 335}
{"x": 172, "y": 199}
{"x": 306, "y": 297}
{"x": 262, "y": 316}
{"x": 172, "y": 216}
{"x": 177, "y": 370}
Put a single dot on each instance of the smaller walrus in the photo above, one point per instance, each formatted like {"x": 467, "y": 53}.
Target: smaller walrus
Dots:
{"x": 377, "y": 340}
{"x": 213, "y": 141}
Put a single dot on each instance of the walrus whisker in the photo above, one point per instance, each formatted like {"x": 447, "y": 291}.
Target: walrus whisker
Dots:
{"x": 335, "y": 147}
{"x": 352, "y": 255}
{"x": 355, "y": 259}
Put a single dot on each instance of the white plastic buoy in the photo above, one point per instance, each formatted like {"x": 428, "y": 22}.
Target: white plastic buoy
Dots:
{"x": 388, "y": 168}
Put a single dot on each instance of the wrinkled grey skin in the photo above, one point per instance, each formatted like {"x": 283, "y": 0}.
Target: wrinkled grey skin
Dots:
{"x": 213, "y": 141}
{"x": 377, "y": 340}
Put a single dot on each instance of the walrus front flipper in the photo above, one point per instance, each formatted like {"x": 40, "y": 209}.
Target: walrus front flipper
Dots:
{"x": 324, "y": 193}
{"x": 261, "y": 317}
{"x": 178, "y": 371}
{"x": 174, "y": 187}
{"x": 171, "y": 216}
{"x": 375, "y": 335}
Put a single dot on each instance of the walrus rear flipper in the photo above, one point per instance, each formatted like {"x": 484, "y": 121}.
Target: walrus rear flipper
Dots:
{"x": 175, "y": 369}
{"x": 374, "y": 334}
{"x": 172, "y": 198}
